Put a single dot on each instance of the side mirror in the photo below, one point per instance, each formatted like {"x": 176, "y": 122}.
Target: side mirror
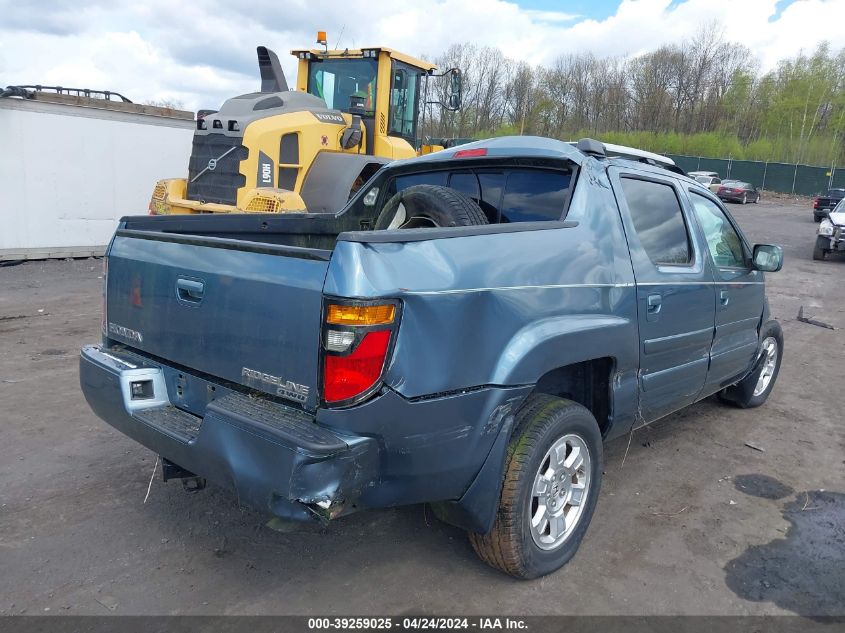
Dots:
{"x": 356, "y": 105}
{"x": 767, "y": 258}
{"x": 456, "y": 90}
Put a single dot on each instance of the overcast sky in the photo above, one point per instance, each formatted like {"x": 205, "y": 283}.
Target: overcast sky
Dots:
{"x": 203, "y": 51}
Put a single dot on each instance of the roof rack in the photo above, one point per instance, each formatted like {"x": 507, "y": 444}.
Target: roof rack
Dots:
{"x": 607, "y": 150}
{"x": 598, "y": 149}
{"x": 626, "y": 152}
{"x": 26, "y": 92}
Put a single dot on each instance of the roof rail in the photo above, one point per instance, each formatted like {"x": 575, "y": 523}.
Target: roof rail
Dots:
{"x": 599, "y": 149}
{"x": 633, "y": 152}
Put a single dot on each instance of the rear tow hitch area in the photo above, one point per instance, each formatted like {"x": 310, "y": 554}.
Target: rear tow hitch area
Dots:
{"x": 190, "y": 482}
{"x": 324, "y": 511}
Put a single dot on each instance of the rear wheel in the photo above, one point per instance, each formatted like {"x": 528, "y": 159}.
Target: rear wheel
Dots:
{"x": 423, "y": 206}
{"x": 551, "y": 485}
{"x": 754, "y": 389}
{"x": 744, "y": 198}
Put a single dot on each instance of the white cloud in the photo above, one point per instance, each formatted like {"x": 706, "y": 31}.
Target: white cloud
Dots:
{"x": 203, "y": 52}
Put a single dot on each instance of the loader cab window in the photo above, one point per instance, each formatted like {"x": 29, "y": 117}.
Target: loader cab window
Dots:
{"x": 404, "y": 101}
{"x": 336, "y": 80}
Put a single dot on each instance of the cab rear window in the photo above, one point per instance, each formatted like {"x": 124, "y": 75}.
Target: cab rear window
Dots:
{"x": 505, "y": 195}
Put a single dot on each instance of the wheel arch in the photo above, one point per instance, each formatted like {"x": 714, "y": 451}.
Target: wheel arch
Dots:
{"x": 588, "y": 382}
{"x": 329, "y": 181}
{"x": 585, "y": 358}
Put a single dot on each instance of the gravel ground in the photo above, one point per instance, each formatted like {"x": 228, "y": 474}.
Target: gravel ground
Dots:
{"x": 691, "y": 521}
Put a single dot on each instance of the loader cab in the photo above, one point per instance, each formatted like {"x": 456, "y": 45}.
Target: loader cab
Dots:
{"x": 382, "y": 86}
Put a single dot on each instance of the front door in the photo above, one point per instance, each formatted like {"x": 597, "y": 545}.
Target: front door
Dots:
{"x": 739, "y": 294}
{"x": 675, "y": 294}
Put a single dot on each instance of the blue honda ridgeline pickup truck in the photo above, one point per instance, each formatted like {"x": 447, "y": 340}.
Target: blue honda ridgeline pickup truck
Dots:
{"x": 466, "y": 332}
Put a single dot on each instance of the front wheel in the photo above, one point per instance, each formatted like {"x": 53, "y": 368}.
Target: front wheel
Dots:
{"x": 754, "y": 389}
{"x": 819, "y": 254}
{"x": 551, "y": 485}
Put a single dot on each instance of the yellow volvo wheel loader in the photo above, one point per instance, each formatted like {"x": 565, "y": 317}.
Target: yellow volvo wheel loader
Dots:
{"x": 288, "y": 151}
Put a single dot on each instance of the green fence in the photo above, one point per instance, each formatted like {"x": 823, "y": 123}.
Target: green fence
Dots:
{"x": 783, "y": 177}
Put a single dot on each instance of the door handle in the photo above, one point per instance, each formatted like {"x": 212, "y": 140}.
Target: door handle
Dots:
{"x": 189, "y": 290}
{"x": 724, "y": 297}
{"x": 653, "y": 304}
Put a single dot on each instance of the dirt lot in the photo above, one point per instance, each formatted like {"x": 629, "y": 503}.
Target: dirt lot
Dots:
{"x": 691, "y": 521}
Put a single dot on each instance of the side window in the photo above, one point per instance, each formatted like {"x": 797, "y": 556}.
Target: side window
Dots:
{"x": 658, "y": 220}
{"x": 723, "y": 241}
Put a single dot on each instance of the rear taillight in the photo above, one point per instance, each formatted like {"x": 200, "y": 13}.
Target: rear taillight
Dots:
{"x": 738, "y": 190}
{"x": 815, "y": 203}
{"x": 357, "y": 339}
{"x": 349, "y": 376}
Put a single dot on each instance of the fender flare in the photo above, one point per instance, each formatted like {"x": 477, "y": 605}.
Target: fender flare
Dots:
{"x": 330, "y": 178}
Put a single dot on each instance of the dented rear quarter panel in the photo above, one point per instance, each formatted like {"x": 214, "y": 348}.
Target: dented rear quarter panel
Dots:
{"x": 503, "y": 309}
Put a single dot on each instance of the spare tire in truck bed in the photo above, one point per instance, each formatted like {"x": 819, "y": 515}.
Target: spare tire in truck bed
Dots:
{"x": 423, "y": 206}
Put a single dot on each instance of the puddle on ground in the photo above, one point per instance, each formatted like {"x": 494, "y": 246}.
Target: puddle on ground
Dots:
{"x": 762, "y": 486}
{"x": 805, "y": 571}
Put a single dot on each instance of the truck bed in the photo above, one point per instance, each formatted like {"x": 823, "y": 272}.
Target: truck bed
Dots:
{"x": 307, "y": 231}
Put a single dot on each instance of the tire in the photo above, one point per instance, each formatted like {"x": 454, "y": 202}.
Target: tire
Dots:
{"x": 819, "y": 254}
{"x": 512, "y": 545}
{"x": 428, "y": 206}
{"x": 745, "y": 394}
{"x": 744, "y": 198}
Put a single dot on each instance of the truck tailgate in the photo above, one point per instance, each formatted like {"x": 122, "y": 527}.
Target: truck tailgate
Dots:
{"x": 245, "y": 312}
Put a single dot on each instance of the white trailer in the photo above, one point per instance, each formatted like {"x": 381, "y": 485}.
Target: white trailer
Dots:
{"x": 71, "y": 167}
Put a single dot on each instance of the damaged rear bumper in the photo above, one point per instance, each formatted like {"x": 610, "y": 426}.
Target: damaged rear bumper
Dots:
{"x": 272, "y": 457}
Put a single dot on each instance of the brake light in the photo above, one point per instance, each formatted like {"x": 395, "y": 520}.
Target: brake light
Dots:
{"x": 815, "y": 203}
{"x": 469, "y": 153}
{"x": 349, "y": 376}
{"x": 357, "y": 340}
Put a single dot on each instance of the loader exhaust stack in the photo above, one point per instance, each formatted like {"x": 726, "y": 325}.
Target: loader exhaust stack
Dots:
{"x": 272, "y": 75}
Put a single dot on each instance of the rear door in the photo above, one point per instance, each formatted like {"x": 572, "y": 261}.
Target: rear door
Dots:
{"x": 241, "y": 311}
{"x": 675, "y": 296}
{"x": 739, "y": 293}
